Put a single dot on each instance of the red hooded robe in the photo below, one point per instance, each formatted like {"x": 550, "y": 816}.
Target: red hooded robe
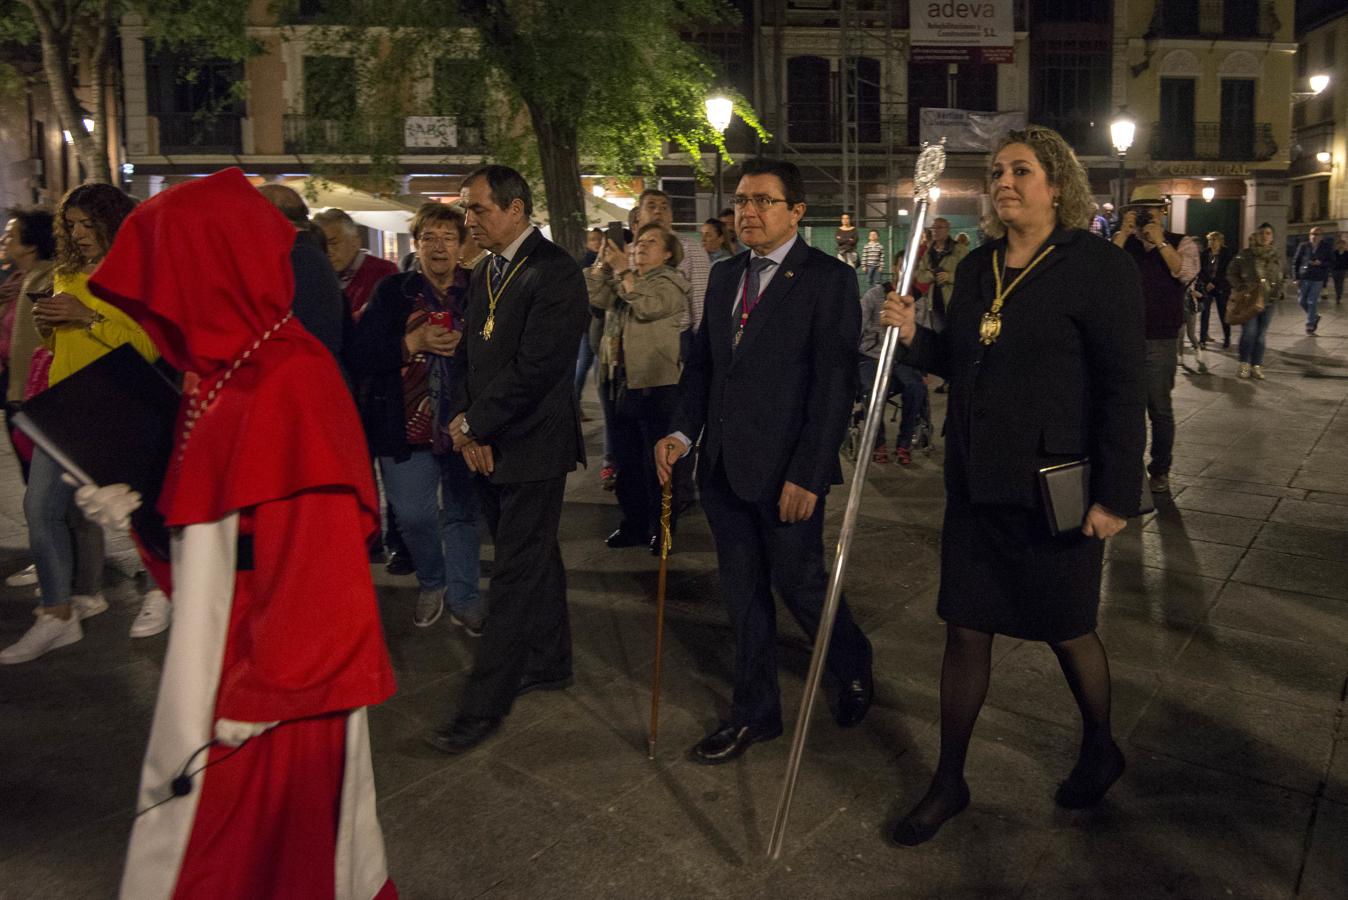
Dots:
{"x": 275, "y": 618}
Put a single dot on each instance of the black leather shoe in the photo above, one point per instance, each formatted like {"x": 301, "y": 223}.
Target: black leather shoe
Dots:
{"x": 463, "y": 734}
{"x": 399, "y": 563}
{"x": 531, "y": 683}
{"x": 1089, "y": 781}
{"x": 911, "y": 831}
{"x": 730, "y": 741}
{"x": 854, "y": 701}
{"x": 623, "y": 538}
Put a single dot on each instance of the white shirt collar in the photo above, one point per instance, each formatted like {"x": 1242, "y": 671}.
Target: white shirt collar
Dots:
{"x": 509, "y": 252}
{"x": 779, "y": 255}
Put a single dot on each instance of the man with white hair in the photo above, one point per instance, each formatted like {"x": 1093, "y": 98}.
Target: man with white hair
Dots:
{"x": 357, "y": 270}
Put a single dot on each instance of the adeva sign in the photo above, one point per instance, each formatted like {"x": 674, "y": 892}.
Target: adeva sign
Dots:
{"x": 962, "y": 30}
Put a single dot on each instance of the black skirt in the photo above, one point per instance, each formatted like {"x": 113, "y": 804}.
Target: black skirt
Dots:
{"x": 1002, "y": 572}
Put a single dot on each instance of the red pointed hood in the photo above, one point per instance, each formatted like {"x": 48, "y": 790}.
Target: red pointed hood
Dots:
{"x": 204, "y": 267}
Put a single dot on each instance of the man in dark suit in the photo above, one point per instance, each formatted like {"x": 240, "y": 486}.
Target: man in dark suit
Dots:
{"x": 771, "y": 377}
{"x": 517, "y": 424}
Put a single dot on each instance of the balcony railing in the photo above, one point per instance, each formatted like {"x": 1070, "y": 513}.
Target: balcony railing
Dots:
{"x": 1229, "y": 141}
{"x": 1218, "y": 19}
{"x": 312, "y": 135}
{"x": 196, "y": 132}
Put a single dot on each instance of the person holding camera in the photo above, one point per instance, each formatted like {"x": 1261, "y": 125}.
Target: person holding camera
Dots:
{"x": 1168, "y": 262}
{"x": 641, "y": 361}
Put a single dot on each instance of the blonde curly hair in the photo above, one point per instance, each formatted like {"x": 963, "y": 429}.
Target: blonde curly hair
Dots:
{"x": 1063, "y": 170}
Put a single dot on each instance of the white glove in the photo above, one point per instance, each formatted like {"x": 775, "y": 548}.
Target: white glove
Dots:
{"x": 232, "y": 733}
{"x": 109, "y": 506}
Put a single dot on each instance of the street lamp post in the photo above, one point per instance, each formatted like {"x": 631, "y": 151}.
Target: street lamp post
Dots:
{"x": 1121, "y": 132}
{"x": 720, "y": 110}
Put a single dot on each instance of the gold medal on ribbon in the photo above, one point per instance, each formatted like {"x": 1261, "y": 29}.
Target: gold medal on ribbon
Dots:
{"x": 494, "y": 296}
{"x": 990, "y": 328}
{"x": 739, "y": 333}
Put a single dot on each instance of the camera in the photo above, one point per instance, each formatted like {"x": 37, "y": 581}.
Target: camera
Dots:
{"x": 1142, "y": 218}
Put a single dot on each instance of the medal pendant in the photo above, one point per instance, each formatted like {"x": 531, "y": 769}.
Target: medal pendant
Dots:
{"x": 738, "y": 335}
{"x": 990, "y": 328}
{"x": 488, "y": 327}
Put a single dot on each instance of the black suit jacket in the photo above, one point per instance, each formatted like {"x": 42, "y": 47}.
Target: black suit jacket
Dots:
{"x": 517, "y": 389}
{"x": 775, "y": 409}
{"x": 1064, "y": 379}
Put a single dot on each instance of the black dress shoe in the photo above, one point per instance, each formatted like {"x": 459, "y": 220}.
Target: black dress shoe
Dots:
{"x": 854, "y": 701}
{"x": 531, "y": 683}
{"x": 729, "y": 741}
{"x": 463, "y": 734}
{"x": 911, "y": 831}
{"x": 399, "y": 563}
{"x": 1090, "y": 780}
{"x": 624, "y": 538}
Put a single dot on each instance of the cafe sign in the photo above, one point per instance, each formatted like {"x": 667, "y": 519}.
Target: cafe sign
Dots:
{"x": 1200, "y": 169}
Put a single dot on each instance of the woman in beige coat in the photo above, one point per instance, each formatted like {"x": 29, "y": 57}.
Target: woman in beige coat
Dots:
{"x": 640, "y": 365}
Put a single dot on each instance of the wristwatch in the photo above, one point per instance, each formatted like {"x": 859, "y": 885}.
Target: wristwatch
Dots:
{"x": 463, "y": 426}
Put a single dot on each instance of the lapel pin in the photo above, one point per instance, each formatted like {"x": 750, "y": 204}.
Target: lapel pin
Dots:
{"x": 790, "y": 274}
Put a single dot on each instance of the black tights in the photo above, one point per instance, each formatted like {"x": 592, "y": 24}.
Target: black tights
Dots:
{"x": 964, "y": 685}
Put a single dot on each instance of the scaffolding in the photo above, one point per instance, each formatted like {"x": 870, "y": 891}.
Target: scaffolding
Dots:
{"x": 865, "y": 124}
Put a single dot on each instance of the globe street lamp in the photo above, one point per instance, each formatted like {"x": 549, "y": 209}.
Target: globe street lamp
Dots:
{"x": 1319, "y": 83}
{"x": 720, "y": 110}
{"x": 1121, "y": 132}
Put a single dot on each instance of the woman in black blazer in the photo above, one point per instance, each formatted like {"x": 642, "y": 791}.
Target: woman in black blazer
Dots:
{"x": 1044, "y": 352}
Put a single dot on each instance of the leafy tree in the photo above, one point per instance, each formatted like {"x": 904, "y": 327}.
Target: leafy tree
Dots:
{"x": 54, "y": 41}
{"x": 592, "y": 79}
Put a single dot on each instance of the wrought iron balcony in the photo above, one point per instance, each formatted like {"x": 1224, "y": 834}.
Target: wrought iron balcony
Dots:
{"x": 200, "y": 133}
{"x": 1227, "y": 141}
{"x": 1217, "y": 19}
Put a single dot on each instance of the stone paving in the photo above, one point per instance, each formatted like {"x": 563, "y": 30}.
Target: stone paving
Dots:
{"x": 1225, "y": 614}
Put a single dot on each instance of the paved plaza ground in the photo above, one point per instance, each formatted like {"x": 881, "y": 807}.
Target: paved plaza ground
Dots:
{"x": 1225, "y": 614}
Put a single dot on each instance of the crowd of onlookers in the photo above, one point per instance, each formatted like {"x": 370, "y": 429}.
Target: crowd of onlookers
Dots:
{"x": 393, "y": 327}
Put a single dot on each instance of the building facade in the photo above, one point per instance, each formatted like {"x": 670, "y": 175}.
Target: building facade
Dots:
{"x": 1319, "y": 187}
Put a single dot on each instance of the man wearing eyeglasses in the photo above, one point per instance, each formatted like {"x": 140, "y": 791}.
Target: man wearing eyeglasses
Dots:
{"x": 769, "y": 386}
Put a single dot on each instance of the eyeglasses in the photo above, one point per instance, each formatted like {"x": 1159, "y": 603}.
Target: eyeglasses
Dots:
{"x": 435, "y": 240}
{"x": 761, "y": 202}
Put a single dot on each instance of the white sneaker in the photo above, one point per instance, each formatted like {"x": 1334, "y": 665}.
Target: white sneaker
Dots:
{"x": 1243, "y": 371}
{"x": 23, "y": 577}
{"x": 47, "y": 633}
{"x": 1257, "y": 373}
{"x": 154, "y": 617}
{"x": 88, "y": 605}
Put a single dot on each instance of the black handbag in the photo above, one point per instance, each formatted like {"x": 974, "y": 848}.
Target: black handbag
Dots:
{"x": 1065, "y": 494}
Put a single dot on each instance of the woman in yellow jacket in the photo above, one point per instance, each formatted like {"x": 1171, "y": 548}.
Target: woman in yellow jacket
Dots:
{"x": 78, "y": 328}
{"x": 640, "y": 364}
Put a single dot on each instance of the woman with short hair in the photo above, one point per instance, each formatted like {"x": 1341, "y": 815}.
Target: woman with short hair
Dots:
{"x": 641, "y": 364}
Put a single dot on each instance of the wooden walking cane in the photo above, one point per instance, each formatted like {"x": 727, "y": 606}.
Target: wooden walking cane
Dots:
{"x": 666, "y": 541}
{"x": 930, "y": 164}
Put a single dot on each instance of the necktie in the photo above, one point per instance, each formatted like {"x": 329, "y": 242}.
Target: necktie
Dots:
{"x": 498, "y": 270}
{"x": 757, "y": 265}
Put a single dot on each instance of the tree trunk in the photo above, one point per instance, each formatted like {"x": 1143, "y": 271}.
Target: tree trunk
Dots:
{"x": 561, "y": 178}
{"x": 57, "y": 62}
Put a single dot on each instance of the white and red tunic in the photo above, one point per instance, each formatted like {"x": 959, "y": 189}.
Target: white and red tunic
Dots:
{"x": 275, "y": 620}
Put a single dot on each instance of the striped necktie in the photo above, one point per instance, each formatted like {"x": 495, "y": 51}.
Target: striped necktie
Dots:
{"x": 498, "y": 271}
